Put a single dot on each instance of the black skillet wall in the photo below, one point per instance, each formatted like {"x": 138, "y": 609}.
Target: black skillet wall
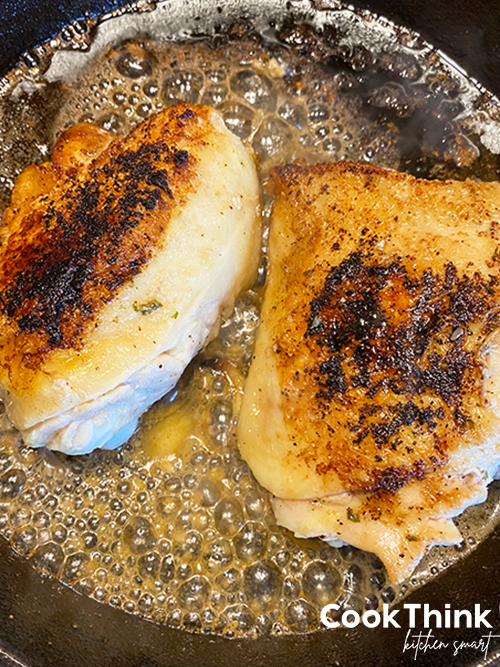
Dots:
{"x": 44, "y": 624}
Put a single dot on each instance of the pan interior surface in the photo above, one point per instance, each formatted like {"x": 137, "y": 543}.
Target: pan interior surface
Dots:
{"x": 173, "y": 527}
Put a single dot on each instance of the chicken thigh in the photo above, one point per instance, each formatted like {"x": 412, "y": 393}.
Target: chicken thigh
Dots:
{"x": 371, "y": 410}
{"x": 118, "y": 260}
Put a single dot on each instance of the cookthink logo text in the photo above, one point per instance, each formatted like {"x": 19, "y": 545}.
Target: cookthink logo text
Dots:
{"x": 420, "y": 616}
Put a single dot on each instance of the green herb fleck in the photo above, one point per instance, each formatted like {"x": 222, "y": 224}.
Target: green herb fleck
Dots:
{"x": 147, "y": 308}
{"x": 412, "y": 538}
{"x": 496, "y": 254}
{"x": 352, "y": 516}
{"x": 175, "y": 315}
{"x": 470, "y": 423}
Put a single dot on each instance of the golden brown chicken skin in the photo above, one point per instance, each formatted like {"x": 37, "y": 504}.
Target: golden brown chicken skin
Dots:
{"x": 118, "y": 260}
{"x": 371, "y": 386}
{"x": 71, "y": 249}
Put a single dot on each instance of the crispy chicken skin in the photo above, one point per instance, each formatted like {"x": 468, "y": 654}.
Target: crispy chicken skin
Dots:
{"x": 117, "y": 260}
{"x": 370, "y": 409}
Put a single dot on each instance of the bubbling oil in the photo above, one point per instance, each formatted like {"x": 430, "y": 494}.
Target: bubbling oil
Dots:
{"x": 173, "y": 526}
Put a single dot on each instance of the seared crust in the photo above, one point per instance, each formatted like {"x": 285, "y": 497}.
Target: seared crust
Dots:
{"x": 382, "y": 291}
{"x": 382, "y": 348}
{"x": 118, "y": 260}
{"x": 371, "y": 408}
{"x": 81, "y": 227}
{"x": 385, "y": 351}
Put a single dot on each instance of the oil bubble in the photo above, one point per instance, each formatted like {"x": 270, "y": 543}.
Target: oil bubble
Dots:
{"x": 229, "y": 580}
{"x": 193, "y": 593}
{"x": 293, "y": 114}
{"x": 321, "y": 583}
{"x": 151, "y": 88}
{"x": 167, "y": 570}
{"x": 256, "y": 89}
{"x": 251, "y": 542}
{"x": 393, "y": 97}
{"x": 139, "y": 535}
{"x": 262, "y": 585}
{"x": 238, "y": 617}
{"x": 272, "y": 139}
{"x": 168, "y": 506}
{"x": 401, "y": 64}
{"x": 301, "y": 616}
{"x": 318, "y": 113}
{"x": 219, "y": 553}
{"x": 182, "y": 86}
{"x": 75, "y": 566}
{"x": 149, "y": 564}
{"x": 134, "y": 63}
{"x": 214, "y": 95}
{"x": 255, "y": 505}
{"x": 228, "y": 516}
{"x": 48, "y": 559}
{"x": 24, "y": 540}
{"x": 210, "y": 492}
{"x": 11, "y": 483}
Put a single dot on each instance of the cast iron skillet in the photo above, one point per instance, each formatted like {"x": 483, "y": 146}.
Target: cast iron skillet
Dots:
{"x": 45, "y": 624}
